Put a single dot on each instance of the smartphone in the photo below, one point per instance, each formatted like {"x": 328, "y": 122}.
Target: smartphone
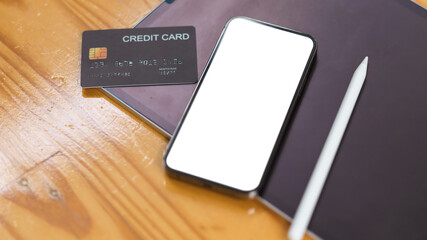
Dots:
{"x": 229, "y": 132}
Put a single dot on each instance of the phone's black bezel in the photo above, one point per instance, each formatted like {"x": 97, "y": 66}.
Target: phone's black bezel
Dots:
{"x": 218, "y": 186}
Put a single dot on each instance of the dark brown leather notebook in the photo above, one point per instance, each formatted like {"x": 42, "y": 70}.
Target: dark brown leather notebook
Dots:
{"x": 377, "y": 188}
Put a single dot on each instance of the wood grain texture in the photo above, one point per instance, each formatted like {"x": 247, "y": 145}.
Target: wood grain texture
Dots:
{"x": 74, "y": 165}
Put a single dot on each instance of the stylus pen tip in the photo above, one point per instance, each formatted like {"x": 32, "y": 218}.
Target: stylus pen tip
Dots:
{"x": 365, "y": 60}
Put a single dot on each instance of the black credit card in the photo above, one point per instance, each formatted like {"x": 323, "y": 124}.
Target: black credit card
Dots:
{"x": 139, "y": 56}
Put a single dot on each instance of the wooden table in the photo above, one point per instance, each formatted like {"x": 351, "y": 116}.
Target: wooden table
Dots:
{"x": 75, "y": 165}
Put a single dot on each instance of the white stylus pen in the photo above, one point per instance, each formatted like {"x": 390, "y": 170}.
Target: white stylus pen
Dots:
{"x": 321, "y": 170}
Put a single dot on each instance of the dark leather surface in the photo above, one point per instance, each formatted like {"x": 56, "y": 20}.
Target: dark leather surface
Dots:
{"x": 377, "y": 188}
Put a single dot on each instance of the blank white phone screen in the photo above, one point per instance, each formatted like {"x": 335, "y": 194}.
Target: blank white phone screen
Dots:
{"x": 234, "y": 120}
